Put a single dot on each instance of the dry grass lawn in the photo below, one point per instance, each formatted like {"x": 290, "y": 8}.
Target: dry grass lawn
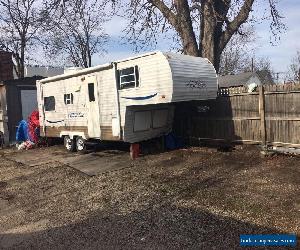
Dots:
{"x": 196, "y": 198}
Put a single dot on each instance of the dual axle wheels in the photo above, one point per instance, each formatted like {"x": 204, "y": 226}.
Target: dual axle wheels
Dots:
{"x": 78, "y": 144}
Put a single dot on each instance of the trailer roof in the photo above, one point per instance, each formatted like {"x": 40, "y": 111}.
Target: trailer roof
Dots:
{"x": 94, "y": 69}
{"x": 77, "y": 73}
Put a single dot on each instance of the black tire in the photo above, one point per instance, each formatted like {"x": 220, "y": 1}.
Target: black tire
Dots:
{"x": 69, "y": 144}
{"x": 81, "y": 145}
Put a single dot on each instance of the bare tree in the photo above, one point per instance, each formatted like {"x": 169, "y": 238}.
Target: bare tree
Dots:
{"x": 236, "y": 58}
{"x": 261, "y": 63}
{"x": 238, "y": 53}
{"x": 293, "y": 74}
{"x": 75, "y": 30}
{"x": 204, "y": 27}
{"x": 19, "y": 24}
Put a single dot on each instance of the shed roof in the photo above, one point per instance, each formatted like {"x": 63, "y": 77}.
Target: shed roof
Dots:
{"x": 22, "y": 81}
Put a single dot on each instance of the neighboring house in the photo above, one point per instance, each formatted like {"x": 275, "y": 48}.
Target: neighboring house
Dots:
{"x": 245, "y": 79}
{"x": 69, "y": 70}
{"x": 265, "y": 77}
{"x": 17, "y": 100}
{"x": 45, "y": 71}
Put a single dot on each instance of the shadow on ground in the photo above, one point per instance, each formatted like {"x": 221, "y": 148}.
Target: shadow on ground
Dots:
{"x": 165, "y": 227}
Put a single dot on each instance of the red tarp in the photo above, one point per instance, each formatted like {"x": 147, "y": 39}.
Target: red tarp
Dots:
{"x": 33, "y": 126}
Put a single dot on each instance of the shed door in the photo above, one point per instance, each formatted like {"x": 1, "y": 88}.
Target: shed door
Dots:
{"x": 29, "y": 102}
{"x": 92, "y": 103}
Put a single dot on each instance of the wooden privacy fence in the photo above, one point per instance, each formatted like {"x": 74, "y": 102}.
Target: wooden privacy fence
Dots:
{"x": 268, "y": 116}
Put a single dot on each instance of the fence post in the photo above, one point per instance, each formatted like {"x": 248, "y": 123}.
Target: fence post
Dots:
{"x": 262, "y": 116}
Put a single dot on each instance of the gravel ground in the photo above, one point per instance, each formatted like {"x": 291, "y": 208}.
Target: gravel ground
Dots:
{"x": 196, "y": 198}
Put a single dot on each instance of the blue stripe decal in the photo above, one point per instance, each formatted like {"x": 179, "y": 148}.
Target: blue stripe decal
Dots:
{"x": 138, "y": 98}
{"x": 55, "y": 121}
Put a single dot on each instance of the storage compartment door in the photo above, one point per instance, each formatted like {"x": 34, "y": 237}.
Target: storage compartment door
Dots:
{"x": 160, "y": 118}
{"x": 142, "y": 121}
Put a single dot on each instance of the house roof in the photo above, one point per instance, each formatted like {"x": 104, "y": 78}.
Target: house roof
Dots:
{"x": 265, "y": 77}
{"x": 241, "y": 79}
{"x": 235, "y": 80}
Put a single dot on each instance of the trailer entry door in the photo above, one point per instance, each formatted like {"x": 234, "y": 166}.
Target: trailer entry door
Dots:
{"x": 93, "y": 111}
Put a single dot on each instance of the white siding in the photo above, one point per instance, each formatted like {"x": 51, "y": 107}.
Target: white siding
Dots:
{"x": 63, "y": 115}
{"x": 254, "y": 79}
{"x": 194, "y": 78}
{"x": 155, "y": 79}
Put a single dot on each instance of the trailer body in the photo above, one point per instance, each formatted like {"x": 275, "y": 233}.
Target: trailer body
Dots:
{"x": 129, "y": 100}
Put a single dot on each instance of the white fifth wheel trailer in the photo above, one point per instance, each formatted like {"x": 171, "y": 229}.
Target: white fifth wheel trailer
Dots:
{"x": 128, "y": 100}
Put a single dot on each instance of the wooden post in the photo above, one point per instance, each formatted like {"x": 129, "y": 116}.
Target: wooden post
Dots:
{"x": 262, "y": 116}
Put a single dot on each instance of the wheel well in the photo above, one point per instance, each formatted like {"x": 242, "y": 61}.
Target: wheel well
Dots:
{"x": 72, "y": 134}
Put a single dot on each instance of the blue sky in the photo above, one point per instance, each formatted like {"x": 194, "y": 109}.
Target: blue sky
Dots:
{"x": 280, "y": 55}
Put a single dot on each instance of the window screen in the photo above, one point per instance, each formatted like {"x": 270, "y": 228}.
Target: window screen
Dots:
{"x": 68, "y": 98}
{"x": 91, "y": 88}
{"x": 129, "y": 77}
{"x": 49, "y": 103}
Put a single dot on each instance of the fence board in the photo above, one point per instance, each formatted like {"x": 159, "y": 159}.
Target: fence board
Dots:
{"x": 236, "y": 116}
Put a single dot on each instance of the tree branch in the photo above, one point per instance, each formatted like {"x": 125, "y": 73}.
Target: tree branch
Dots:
{"x": 167, "y": 13}
{"x": 233, "y": 26}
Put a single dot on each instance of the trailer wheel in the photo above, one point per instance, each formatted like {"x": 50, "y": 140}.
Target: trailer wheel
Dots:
{"x": 69, "y": 144}
{"x": 81, "y": 145}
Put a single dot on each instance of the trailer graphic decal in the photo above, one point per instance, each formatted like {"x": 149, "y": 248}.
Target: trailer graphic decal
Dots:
{"x": 75, "y": 115}
{"x": 138, "y": 98}
{"x": 196, "y": 84}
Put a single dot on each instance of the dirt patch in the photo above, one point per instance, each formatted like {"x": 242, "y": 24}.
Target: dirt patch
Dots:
{"x": 3, "y": 184}
{"x": 191, "y": 198}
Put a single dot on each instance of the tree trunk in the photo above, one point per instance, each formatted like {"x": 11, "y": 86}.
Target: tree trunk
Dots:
{"x": 89, "y": 58}
{"x": 213, "y": 15}
{"x": 18, "y": 66}
{"x": 184, "y": 27}
{"x": 213, "y": 38}
{"x": 22, "y": 59}
{"x": 182, "y": 23}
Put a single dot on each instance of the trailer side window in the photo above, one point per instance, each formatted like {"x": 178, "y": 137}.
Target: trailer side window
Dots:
{"x": 91, "y": 88}
{"x": 128, "y": 77}
{"x": 49, "y": 103}
{"x": 68, "y": 98}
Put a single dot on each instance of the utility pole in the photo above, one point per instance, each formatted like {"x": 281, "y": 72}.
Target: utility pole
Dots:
{"x": 277, "y": 76}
